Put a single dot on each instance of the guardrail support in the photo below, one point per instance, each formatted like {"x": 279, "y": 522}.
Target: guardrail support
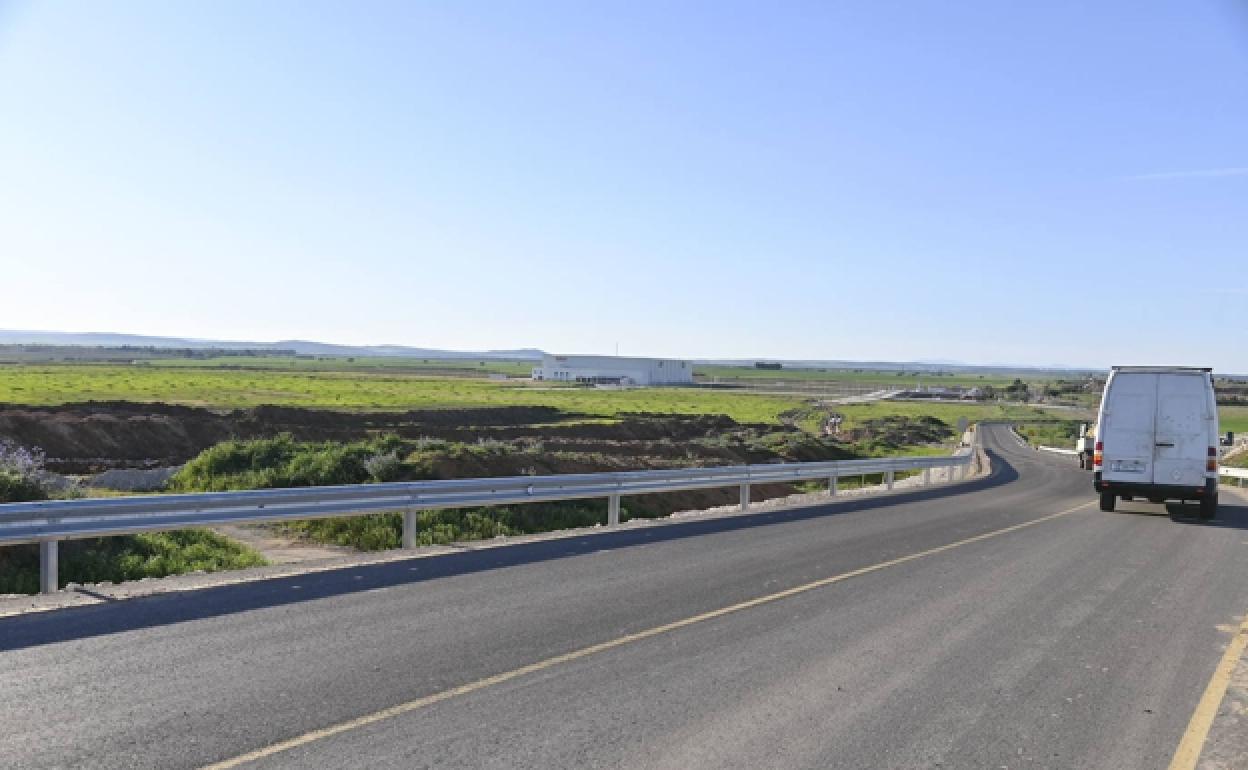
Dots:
{"x": 48, "y": 522}
{"x": 409, "y": 529}
{"x": 927, "y": 476}
{"x": 48, "y": 583}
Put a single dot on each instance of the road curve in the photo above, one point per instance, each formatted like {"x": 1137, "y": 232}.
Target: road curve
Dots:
{"x": 1004, "y": 622}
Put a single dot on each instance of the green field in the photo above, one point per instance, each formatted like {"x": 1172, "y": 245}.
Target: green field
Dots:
{"x": 855, "y": 414}
{"x": 223, "y": 384}
{"x": 454, "y": 366}
{"x": 370, "y": 390}
{"x": 240, "y": 388}
{"x": 889, "y": 379}
{"x": 1234, "y": 418}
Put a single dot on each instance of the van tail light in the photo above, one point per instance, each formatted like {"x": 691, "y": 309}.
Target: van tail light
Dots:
{"x": 1212, "y": 463}
{"x": 1098, "y": 457}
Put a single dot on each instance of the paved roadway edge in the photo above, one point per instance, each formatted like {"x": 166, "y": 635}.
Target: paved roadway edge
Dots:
{"x": 1204, "y": 723}
{"x": 584, "y": 652}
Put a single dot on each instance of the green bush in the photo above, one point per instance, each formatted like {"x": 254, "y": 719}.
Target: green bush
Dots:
{"x": 106, "y": 559}
{"x": 131, "y": 557}
{"x": 283, "y": 462}
{"x": 16, "y": 488}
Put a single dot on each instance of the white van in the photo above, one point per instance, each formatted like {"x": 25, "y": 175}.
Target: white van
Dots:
{"x": 1157, "y": 437}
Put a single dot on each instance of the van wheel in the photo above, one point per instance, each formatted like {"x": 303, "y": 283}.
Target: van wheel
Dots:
{"x": 1208, "y": 507}
{"x": 1107, "y": 501}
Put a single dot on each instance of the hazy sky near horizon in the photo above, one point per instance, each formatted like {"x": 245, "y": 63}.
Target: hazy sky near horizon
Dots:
{"x": 1062, "y": 182}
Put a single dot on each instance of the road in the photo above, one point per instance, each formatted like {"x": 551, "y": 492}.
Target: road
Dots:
{"x": 1004, "y": 622}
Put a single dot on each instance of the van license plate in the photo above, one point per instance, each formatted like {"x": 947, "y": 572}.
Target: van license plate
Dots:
{"x": 1127, "y": 466}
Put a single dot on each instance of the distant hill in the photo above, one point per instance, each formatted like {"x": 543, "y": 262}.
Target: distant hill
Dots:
{"x": 301, "y": 347}
{"x": 313, "y": 348}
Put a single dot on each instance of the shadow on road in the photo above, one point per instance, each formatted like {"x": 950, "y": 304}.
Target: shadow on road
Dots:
{"x": 1232, "y": 513}
{"x": 145, "y": 612}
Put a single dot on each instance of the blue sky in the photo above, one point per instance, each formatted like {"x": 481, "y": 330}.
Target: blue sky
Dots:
{"x": 1059, "y": 182}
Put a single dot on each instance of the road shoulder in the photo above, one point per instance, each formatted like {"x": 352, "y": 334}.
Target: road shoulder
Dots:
{"x": 1226, "y": 746}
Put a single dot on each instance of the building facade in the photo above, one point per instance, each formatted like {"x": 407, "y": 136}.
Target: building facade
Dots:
{"x": 614, "y": 370}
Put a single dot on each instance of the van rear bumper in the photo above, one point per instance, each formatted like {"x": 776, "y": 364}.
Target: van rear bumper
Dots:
{"x": 1166, "y": 491}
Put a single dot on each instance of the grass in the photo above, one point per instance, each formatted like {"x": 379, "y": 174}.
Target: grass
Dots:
{"x": 883, "y": 378}
{"x": 458, "y": 366}
{"x": 132, "y": 557}
{"x": 1233, "y": 418}
{"x": 235, "y": 388}
{"x": 396, "y": 390}
{"x": 1060, "y": 434}
{"x": 856, "y": 414}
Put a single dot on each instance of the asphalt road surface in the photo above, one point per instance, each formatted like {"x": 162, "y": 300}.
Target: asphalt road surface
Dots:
{"x": 1004, "y": 622}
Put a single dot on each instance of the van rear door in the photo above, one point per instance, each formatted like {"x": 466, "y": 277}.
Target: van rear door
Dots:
{"x": 1182, "y": 428}
{"x": 1128, "y": 434}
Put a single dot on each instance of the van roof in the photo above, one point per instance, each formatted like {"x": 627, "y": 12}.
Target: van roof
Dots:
{"x": 1162, "y": 368}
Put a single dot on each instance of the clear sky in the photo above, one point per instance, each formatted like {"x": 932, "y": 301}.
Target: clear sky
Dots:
{"x": 985, "y": 181}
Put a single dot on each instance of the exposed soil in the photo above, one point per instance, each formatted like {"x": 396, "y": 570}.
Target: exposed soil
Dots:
{"x": 498, "y": 441}
{"x": 97, "y": 436}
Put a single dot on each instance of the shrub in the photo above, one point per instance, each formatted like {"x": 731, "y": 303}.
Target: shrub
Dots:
{"x": 21, "y": 472}
{"x": 18, "y": 489}
{"x": 153, "y": 554}
{"x": 283, "y": 462}
{"x": 383, "y": 466}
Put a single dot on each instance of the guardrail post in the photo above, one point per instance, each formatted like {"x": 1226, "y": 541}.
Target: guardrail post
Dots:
{"x": 832, "y": 486}
{"x": 927, "y": 476}
{"x": 613, "y": 510}
{"x": 745, "y": 497}
{"x": 409, "y": 529}
{"x": 48, "y": 582}
{"x": 889, "y": 477}
{"x": 955, "y": 472}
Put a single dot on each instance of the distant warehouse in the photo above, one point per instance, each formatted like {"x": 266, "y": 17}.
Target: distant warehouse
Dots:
{"x": 614, "y": 370}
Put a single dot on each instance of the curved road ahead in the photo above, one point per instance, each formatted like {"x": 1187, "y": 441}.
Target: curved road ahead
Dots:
{"x": 1003, "y": 622}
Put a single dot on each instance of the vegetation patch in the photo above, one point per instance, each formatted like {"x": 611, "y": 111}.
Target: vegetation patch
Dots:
{"x": 1055, "y": 433}
{"x": 283, "y": 462}
{"x": 114, "y": 559}
{"x": 130, "y": 557}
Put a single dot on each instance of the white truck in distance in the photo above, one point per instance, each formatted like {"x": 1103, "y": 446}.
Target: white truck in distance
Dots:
{"x": 1157, "y": 437}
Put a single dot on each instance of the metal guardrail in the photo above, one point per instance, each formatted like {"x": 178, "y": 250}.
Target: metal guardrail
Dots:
{"x": 48, "y": 522}
{"x": 1235, "y": 473}
{"x": 1058, "y": 450}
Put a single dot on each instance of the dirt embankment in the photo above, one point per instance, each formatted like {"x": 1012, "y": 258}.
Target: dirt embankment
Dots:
{"x": 98, "y": 436}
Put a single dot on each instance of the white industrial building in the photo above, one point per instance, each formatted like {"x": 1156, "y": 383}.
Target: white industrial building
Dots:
{"x": 614, "y": 370}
